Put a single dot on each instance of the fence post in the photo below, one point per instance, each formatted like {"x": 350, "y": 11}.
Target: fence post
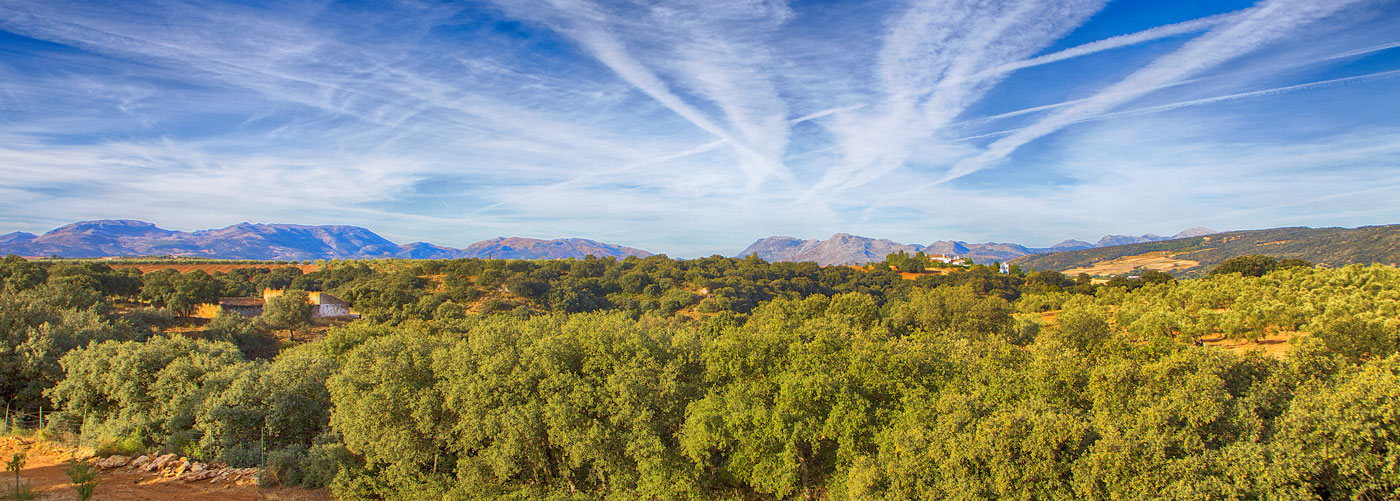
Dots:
{"x": 41, "y": 418}
{"x": 262, "y": 447}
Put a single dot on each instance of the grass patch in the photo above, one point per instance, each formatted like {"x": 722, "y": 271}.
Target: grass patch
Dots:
{"x": 129, "y": 447}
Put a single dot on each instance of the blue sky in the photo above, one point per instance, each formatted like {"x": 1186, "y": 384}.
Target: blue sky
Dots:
{"x": 695, "y": 127}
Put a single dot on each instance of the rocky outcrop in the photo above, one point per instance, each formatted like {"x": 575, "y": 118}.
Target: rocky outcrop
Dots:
{"x": 181, "y": 469}
{"x": 110, "y": 462}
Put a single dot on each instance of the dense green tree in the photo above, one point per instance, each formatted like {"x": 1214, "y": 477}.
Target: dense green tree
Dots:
{"x": 180, "y": 292}
{"x": 1339, "y": 440}
{"x": 389, "y": 411}
{"x": 775, "y": 380}
{"x": 955, "y": 311}
{"x": 290, "y": 310}
{"x": 149, "y": 390}
{"x": 251, "y": 337}
{"x": 17, "y": 274}
{"x": 272, "y": 406}
{"x": 1249, "y": 266}
{"x": 526, "y": 286}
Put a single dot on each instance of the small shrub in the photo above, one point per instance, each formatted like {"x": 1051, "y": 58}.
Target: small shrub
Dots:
{"x": 323, "y": 463}
{"x": 653, "y": 290}
{"x": 244, "y": 456}
{"x": 284, "y": 466}
{"x": 129, "y": 446}
{"x": 495, "y": 305}
{"x": 16, "y": 464}
{"x": 84, "y": 479}
{"x": 708, "y": 305}
{"x": 184, "y": 444}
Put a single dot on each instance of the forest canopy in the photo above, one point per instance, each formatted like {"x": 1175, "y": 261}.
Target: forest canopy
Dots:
{"x": 730, "y": 378}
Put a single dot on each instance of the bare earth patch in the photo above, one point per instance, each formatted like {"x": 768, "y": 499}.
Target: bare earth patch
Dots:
{"x": 1274, "y": 345}
{"x": 46, "y": 461}
{"x": 1160, "y": 261}
{"x": 927, "y": 272}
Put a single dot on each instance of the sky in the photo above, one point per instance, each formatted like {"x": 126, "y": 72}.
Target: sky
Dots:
{"x": 696, "y": 127}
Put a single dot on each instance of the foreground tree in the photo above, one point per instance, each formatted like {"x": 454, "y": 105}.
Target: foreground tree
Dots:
{"x": 291, "y": 310}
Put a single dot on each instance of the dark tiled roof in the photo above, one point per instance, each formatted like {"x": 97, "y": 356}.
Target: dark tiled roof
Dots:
{"x": 240, "y": 301}
{"x": 329, "y": 299}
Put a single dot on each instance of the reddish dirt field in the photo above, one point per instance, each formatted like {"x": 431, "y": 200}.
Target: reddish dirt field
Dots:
{"x": 1160, "y": 261}
{"x": 210, "y": 268}
{"x": 44, "y": 470}
{"x": 928, "y": 272}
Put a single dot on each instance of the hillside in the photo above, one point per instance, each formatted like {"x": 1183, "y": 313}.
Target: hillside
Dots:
{"x": 110, "y": 237}
{"x": 1323, "y": 246}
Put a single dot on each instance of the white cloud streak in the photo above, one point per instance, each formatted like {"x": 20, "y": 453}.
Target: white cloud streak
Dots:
{"x": 697, "y": 47}
{"x": 1321, "y": 84}
{"x": 1262, "y": 25}
{"x": 937, "y": 61}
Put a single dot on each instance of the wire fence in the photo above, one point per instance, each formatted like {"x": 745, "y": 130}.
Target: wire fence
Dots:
{"x": 41, "y": 422}
{"x": 69, "y": 431}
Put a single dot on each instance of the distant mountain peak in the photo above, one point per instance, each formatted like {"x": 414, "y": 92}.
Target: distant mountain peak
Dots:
{"x": 1194, "y": 232}
{"x": 534, "y": 248}
{"x": 1071, "y": 244}
{"x": 121, "y": 226}
{"x": 17, "y": 236}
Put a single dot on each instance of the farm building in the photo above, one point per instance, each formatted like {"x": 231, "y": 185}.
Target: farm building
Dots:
{"x": 953, "y": 260}
{"x": 327, "y": 306}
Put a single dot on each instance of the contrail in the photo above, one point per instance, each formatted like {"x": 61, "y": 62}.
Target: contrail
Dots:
{"x": 1027, "y": 111}
{"x": 1120, "y": 41}
{"x": 1264, "y": 24}
{"x": 1203, "y": 101}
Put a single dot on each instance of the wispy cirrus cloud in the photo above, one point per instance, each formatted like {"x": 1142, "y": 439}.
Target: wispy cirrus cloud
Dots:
{"x": 694, "y": 127}
{"x": 936, "y": 62}
{"x": 713, "y": 50}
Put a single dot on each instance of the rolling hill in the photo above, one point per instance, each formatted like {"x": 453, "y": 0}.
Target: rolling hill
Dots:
{"x": 1323, "y": 246}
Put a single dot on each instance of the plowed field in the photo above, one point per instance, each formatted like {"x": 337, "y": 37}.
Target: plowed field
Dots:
{"x": 1160, "y": 261}
{"x": 211, "y": 268}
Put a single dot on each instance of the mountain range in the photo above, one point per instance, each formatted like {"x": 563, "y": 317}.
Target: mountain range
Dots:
{"x": 843, "y": 248}
{"x": 123, "y": 237}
